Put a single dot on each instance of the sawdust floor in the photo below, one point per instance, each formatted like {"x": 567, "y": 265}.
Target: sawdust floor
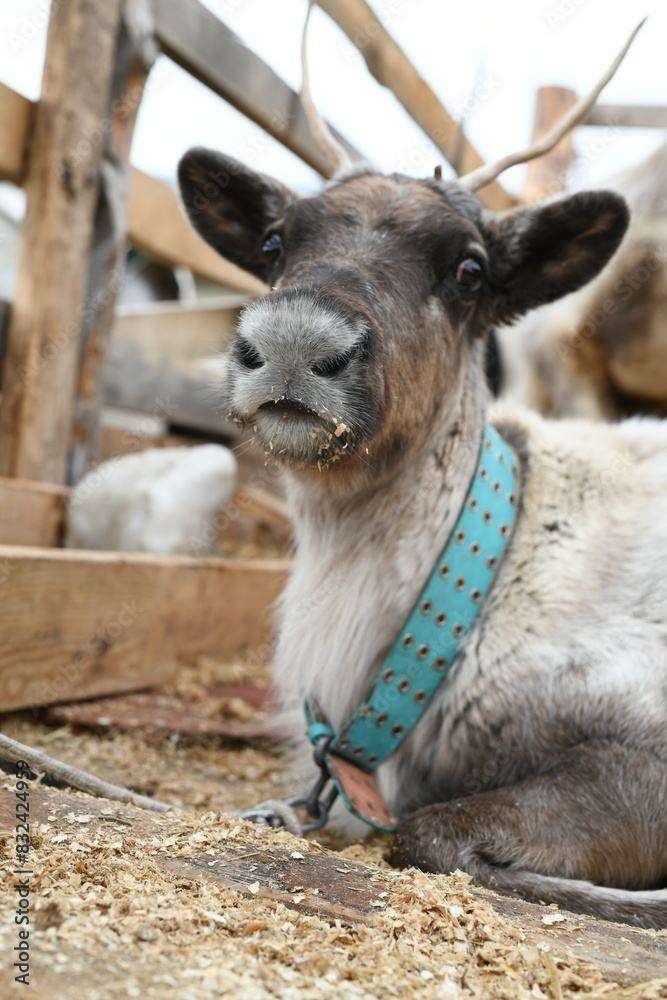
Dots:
{"x": 127, "y": 903}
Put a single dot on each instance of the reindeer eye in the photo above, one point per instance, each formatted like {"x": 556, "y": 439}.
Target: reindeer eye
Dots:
{"x": 272, "y": 245}
{"x": 469, "y": 276}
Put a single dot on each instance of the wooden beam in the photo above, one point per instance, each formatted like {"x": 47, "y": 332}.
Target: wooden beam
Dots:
{"x": 32, "y": 513}
{"x": 134, "y": 54}
{"x": 624, "y": 960}
{"x": 197, "y": 40}
{"x": 191, "y": 329}
{"x": 79, "y": 624}
{"x": 548, "y": 175}
{"x": 165, "y": 360}
{"x": 156, "y": 222}
{"x": 62, "y": 186}
{"x": 16, "y": 120}
{"x": 391, "y": 67}
{"x": 628, "y": 115}
{"x": 5, "y": 310}
{"x": 157, "y": 225}
{"x": 265, "y": 507}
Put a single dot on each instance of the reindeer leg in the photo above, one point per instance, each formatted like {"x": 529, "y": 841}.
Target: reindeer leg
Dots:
{"x": 588, "y": 833}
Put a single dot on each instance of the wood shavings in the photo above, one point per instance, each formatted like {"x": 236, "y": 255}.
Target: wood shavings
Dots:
{"x": 110, "y": 922}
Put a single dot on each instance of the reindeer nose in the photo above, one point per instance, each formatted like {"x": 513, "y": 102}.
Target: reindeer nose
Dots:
{"x": 298, "y": 333}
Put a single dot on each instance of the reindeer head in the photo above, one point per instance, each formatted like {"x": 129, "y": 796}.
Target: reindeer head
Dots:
{"x": 382, "y": 288}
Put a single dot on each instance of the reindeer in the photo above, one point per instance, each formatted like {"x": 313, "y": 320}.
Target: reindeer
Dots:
{"x": 539, "y": 765}
{"x": 602, "y": 352}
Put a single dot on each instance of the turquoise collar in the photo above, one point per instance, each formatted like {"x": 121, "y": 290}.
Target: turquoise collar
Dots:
{"x": 446, "y": 610}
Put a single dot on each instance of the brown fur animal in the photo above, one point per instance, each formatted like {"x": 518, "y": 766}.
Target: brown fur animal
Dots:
{"x": 601, "y": 353}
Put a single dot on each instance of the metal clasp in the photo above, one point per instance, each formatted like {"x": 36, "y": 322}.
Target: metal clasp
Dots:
{"x": 314, "y": 804}
{"x": 276, "y": 813}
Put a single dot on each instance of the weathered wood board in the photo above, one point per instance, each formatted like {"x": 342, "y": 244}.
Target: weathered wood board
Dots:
{"x": 548, "y": 175}
{"x": 200, "y": 42}
{"x": 44, "y": 338}
{"x": 156, "y": 222}
{"x": 157, "y": 225}
{"x": 333, "y": 888}
{"x": 78, "y": 624}
{"x": 32, "y": 513}
{"x": 165, "y": 359}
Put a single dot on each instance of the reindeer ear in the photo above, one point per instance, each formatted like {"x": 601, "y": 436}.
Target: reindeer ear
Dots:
{"x": 540, "y": 253}
{"x": 231, "y": 206}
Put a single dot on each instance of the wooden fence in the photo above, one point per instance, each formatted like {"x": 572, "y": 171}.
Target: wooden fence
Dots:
{"x": 65, "y": 347}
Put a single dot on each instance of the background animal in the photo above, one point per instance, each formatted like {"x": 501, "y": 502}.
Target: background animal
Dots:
{"x": 601, "y": 352}
{"x": 160, "y": 500}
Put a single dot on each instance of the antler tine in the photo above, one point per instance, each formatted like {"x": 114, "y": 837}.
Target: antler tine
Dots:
{"x": 489, "y": 171}
{"x": 337, "y": 157}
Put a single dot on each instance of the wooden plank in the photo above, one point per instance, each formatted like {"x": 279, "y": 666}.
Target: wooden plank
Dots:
{"x": 134, "y": 55}
{"x": 17, "y": 116}
{"x": 156, "y": 222}
{"x": 79, "y": 624}
{"x": 547, "y": 175}
{"x": 198, "y": 41}
{"x": 179, "y": 330}
{"x": 162, "y": 710}
{"x": 157, "y": 225}
{"x": 32, "y": 513}
{"x": 391, "y": 67}
{"x": 628, "y": 115}
{"x": 266, "y": 507}
{"x": 179, "y": 390}
{"x": 165, "y": 359}
{"x": 349, "y": 891}
{"x": 5, "y": 309}
{"x": 16, "y": 121}
{"x": 62, "y": 187}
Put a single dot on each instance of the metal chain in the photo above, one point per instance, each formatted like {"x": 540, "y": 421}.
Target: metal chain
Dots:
{"x": 278, "y": 813}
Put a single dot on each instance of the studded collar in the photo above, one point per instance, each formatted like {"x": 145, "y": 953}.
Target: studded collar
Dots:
{"x": 428, "y": 644}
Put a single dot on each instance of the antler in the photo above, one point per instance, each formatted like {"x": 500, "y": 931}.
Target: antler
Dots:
{"x": 489, "y": 171}
{"x": 336, "y": 156}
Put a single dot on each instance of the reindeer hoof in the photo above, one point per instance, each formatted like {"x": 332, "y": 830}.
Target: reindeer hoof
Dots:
{"x": 405, "y": 851}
